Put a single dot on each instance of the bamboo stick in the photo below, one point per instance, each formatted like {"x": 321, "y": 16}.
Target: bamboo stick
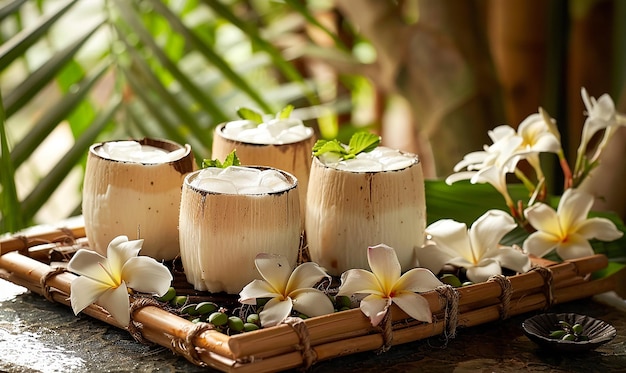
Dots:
{"x": 26, "y": 239}
{"x": 420, "y": 331}
{"x": 160, "y": 321}
{"x": 338, "y": 326}
{"x": 281, "y": 338}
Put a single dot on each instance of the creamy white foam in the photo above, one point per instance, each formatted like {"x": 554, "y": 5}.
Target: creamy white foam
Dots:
{"x": 271, "y": 132}
{"x": 240, "y": 180}
{"x": 133, "y": 151}
{"x": 380, "y": 159}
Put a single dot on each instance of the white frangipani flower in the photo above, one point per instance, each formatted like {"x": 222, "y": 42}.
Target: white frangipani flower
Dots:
{"x": 537, "y": 137}
{"x": 476, "y": 249}
{"x": 287, "y": 290}
{"x": 493, "y": 163}
{"x": 568, "y": 230}
{"x": 385, "y": 286}
{"x": 108, "y": 280}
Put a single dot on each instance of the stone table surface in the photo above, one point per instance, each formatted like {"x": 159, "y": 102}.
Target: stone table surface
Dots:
{"x": 40, "y": 336}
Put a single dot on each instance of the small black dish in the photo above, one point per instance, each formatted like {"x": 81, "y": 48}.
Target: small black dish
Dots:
{"x": 539, "y": 327}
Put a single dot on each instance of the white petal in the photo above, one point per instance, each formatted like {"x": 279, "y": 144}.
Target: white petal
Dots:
{"x": 255, "y": 290}
{"x": 486, "y": 269}
{"x": 90, "y": 264}
{"x": 600, "y": 228}
{"x": 458, "y": 176}
{"x": 543, "y": 218}
{"x": 513, "y": 259}
{"x": 116, "y": 302}
{"x": 375, "y": 307}
{"x": 450, "y": 237}
{"x": 473, "y": 158}
{"x": 312, "y": 302}
{"x": 493, "y": 175}
{"x": 120, "y": 249}
{"x": 540, "y": 243}
{"x": 275, "y": 311}
{"x": 146, "y": 275}
{"x": 414, "y": 305}
{"x": 417, "y": 280}
{"x": 385, "y": 265}
{"x": 461, "y": 262}
{"x": 573, "y": 209}
{"x": 359, "y": 281}
{"x": 501, "y": 132}
{"x": 84, "y": 292}
{"x": 431, "y": 257}
{"x": 487, "y": 231}
{"x": 305, "y": 276}
{"x": 576, "y": 247}
{"x": 275, "y": 269}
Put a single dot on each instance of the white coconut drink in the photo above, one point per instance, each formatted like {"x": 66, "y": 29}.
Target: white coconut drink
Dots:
{"x": 228, "y": 216}
{"x": 133, "y": 188}
{"x": 281, "y": 142}
{"x": 362, "y": 195}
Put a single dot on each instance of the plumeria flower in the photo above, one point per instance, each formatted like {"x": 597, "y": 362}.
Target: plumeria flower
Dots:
{"x": 492, "y": 164}
{"x": 476, "y": 249}
{"x": 385, "y": 286}
{"x": 287, "y": 290}
{"x": 601, "y": 115}
{"x": 568, "y": 229}
{"x": 109, "y": 280}
{"x": 538, "y": 136}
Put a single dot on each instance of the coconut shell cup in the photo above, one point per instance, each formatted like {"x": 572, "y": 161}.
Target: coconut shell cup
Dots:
{"x": 138, "y": 200}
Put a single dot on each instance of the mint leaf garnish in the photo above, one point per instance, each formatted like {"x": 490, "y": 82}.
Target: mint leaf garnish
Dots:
{"x": 325, "y": 146}
{"x": 285, "y": 112}
{"x": 251, "y": 115}
{"x": 363, "y": 142}
{"x": 360, "y": 142}
{"x": 231, "y": 160}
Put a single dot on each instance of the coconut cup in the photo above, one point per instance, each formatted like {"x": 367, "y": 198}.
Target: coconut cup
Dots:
{"x": 349, "y": 211}
{"x": 221, "y": 234}
{"x": 295, "y": 158}
{"x": 139, "y": 200}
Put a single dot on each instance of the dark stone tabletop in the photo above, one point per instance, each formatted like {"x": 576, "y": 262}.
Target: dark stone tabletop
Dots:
{"x": 39, "y": 336}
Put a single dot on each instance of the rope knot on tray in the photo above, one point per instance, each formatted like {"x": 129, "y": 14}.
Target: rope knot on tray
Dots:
{"x": 505, "y": 295}
{"x": 451, "y": 312}
{"x": 43, "y": 281}
{"x": 546, "y": 273}
{"x": 309, "y": 356}
{"x": 134, "y": 327}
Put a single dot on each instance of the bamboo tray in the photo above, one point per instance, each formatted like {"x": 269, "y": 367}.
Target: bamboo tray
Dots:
{"x": 26, "y": 261}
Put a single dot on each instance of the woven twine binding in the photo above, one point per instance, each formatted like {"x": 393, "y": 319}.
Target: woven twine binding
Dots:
{"x": 546, "y": 273}
{"x": 505, "y": 295}
{"x": 450, "y": 296}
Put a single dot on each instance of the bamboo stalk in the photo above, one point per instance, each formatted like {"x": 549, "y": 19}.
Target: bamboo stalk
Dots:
{"x": 24, "y": 240}
{"x": 30, "y": 272}
{"x": 372, "y": 342}
{"x": 325, "y": 329}
{"x": 279, "y": 339}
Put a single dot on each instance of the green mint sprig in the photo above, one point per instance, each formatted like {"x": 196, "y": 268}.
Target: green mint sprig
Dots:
{"x": 231, "y": 160}
{"x": 360, "y": 142}
{"x": 257, "y": 117}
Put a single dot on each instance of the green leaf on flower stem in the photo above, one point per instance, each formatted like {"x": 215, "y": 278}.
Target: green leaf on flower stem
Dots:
{"x": 360, "y": 142}
{"x": 251, "y": 115}
{"x": 285, "y": 112}
{"x": 231, "y": 160}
